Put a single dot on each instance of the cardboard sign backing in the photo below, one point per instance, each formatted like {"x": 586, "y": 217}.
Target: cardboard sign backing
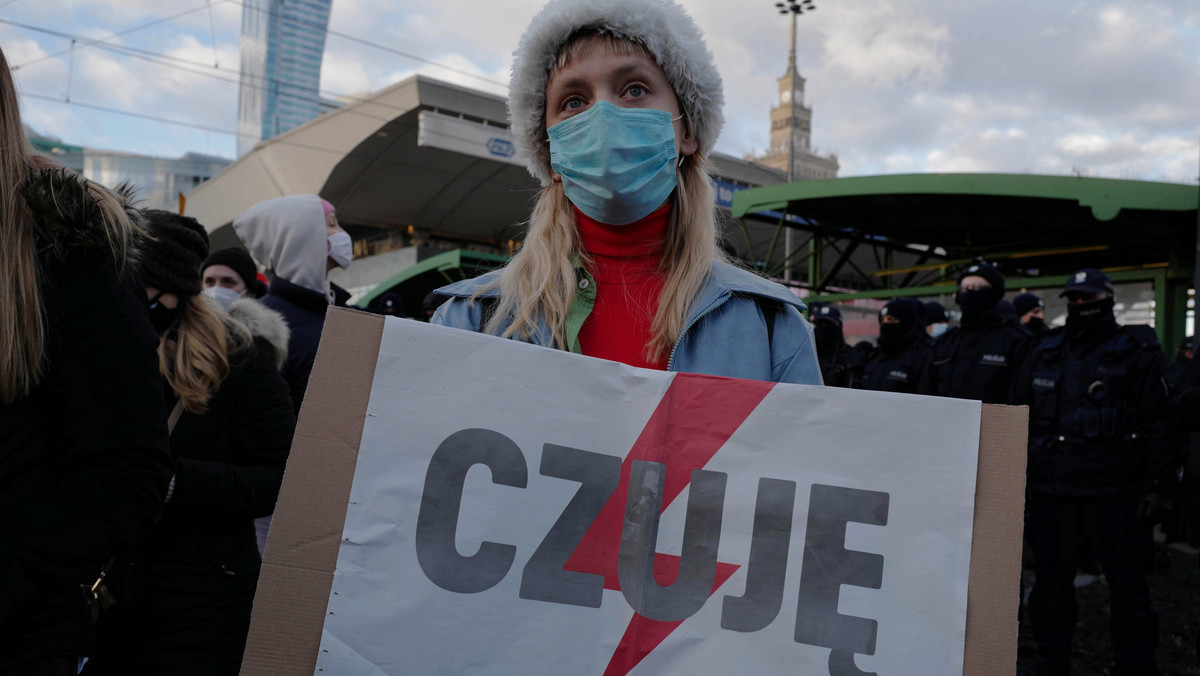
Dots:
{"x": 292, "y": 598}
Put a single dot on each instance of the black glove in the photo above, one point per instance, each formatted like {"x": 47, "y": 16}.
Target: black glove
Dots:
{"x": 1153, "y": 507}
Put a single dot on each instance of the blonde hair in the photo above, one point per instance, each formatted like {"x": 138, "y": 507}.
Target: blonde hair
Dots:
{"x": 22, "y": 314}
{"x": 194, "y": 356}
{"x": 539, "y": 284}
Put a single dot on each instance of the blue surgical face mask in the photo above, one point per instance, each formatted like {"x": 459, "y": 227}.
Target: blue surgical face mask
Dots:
{"x": 617, "y": 164}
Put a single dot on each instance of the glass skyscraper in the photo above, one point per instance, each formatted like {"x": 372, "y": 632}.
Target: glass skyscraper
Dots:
{"x": 282, "y": 45}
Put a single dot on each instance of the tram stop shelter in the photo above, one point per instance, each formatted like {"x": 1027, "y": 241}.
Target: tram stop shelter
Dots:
{"x": 881, "y": 237}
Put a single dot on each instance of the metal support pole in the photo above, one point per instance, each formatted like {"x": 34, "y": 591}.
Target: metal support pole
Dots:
{"x": 791, "y": 169}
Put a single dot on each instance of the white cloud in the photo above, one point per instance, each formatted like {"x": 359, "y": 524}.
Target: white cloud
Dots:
{"x": 942, "y": 85}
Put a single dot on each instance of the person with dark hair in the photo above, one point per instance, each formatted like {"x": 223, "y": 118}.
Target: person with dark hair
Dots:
{"x": 183, "y": 595}
{"x": 84, "y": 464}
{"x": 1100, "y": 462}
{"x": 230, "y": 274}
{"x": 841, "y": 364}
{"x": 979, "y": 358}
{"x": 937, "y": 322}
{"x": 432, "y": 301}
{"x": 1031, "y": 312}
{"x": 902, "y": 355}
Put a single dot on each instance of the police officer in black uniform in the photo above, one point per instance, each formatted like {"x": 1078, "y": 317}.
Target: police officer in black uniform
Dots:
{"x": 1099, "y": 460}
{"x": 978, "y": 358}
{"x": 899, "y": 361}
{"x": 1031, "y": 311}
{"x": 841, "y": 365}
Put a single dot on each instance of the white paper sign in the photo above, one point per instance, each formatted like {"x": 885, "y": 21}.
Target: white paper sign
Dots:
{"x": 518, "y": 510}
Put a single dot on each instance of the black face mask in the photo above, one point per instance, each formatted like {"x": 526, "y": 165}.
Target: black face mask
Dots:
{"x": 893, "y": 335}
{"x": 1036, "y": 324}
{"x": 161, "y": 316}
{"x": 827, "y": 336}
{"x": 975, "y": 303}
{"x": 1086, "y": 317}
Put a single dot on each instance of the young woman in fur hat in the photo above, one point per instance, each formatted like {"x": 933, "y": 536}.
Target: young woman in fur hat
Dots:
{"x": 184, "y": 595}
{"x": 617, "y": 106}
{"x": 83, "y": 440}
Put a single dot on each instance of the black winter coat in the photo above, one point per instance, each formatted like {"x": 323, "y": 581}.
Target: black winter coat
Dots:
{"x": 1098, "y": 419}
{"x": 979, "y": 361}
{"x": 897, "y": 369}
{"x": 304, "y": 311}
{"x": 841, "y": 366}
{"x": 84, "y": 463}
{"x": 190, "y": 586}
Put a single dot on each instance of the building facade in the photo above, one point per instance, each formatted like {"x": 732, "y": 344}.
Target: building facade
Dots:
{"x": 283, "y": 42}
{"x": 791, "y": 123}
{"x": 157, "y": 181}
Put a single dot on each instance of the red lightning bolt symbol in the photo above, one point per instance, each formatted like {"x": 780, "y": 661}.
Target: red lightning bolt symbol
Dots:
{"x": 688, "y": 427}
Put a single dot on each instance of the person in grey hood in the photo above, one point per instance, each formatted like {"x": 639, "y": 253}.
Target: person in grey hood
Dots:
{"x": 298, "y": 240}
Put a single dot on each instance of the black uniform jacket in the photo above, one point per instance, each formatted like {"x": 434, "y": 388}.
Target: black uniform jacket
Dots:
{"x": 978, "y": 361}
{"x": 1098, "y": 417}
{"x": 898, "y": 369}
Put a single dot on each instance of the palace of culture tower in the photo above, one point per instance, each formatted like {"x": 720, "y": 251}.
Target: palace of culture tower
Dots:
{"x": 808, "y": 164}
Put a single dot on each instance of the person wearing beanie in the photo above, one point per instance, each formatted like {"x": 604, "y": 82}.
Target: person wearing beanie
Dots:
{"x": 937, "y": 321}
{"x": 1031, "y": 311}
{"x": 230, "y": 274}
{"x": 979, "y": 358}
{"x": 1102, "y": 459}
{"x": 184, "y": 593}
{"x": 902, "y": 355}
{"x": 230, "y": 278}
{"x": 84, "y": 463}
{"x": 841, "y": 364}
{"x": 616, "y": 107}
{"x": 298, "y": 240}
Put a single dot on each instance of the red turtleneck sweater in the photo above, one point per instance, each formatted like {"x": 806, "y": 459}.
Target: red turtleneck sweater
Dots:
{"x": 628, "y": 283}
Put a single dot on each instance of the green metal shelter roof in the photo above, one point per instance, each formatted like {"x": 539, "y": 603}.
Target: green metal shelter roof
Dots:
{"x": 1054, "y": 224}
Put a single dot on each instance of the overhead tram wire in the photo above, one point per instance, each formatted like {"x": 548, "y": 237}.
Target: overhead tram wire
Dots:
{"x": 376, "y": 45}
{"x": 93, "y": 41}
{"x": 116, "y": 111}
{"x": 151, "y": 56}
{"x": 161, "y": 59}
{"x": 200, "y": 127}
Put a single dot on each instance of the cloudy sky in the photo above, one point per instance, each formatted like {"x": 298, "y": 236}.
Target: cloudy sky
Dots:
{"x": 1108, "y": 89}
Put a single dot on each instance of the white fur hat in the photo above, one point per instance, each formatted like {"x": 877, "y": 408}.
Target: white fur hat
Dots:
{"x": 661, "y": 26}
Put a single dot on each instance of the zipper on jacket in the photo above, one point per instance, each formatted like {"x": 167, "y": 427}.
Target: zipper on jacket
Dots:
{"x": 720, "y": 301}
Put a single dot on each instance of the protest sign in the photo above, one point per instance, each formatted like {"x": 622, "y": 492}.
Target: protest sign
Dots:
{"x": 493, "y": 507}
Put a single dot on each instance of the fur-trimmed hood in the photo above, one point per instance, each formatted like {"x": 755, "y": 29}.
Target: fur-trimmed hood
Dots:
{"x": 662, "y": 26}
{"x": 67, "y": 215}
{"x": 265, "y": 323}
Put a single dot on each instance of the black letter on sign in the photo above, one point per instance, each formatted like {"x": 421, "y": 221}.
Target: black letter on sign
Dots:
{"x": 639, "y": 538}
{"x": 438, "y": 519}
{"x": 828, "y": 565}
{"x": 760, "y": 604}
{"x": 544, "y": 578}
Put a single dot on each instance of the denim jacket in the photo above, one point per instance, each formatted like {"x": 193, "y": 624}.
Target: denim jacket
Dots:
{"x": 727, "y": 333}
